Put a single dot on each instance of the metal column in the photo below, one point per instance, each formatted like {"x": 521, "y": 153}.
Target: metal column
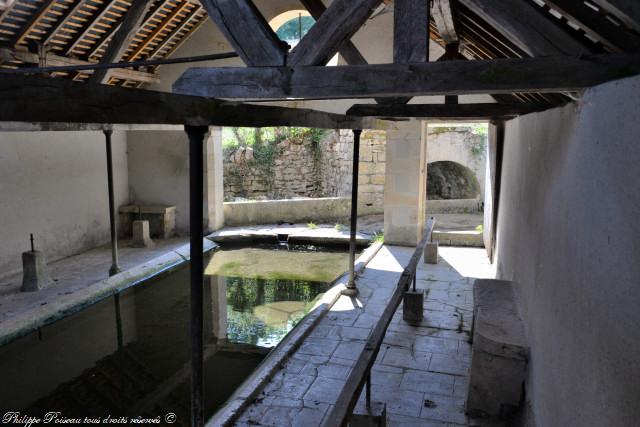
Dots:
{"x": 352, "y": 290}
{"x": 115, "y": 268}
{"x": 196, "y": 136}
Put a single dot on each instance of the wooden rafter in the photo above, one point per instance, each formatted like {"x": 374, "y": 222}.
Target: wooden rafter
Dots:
{"x": 527, "y": 27}
{"x": 544, "y": 74}
{"x": 190, "y": 16}
{"x": 123, "y": 37}
{"x": 248, "y": 32}
{"x": 99, "y": 14}
{"x": 339, "y": 23}
{"x": 349, "y": 52}
{"x": 628, "y": 11}
{"x": 159, "y": 29}
{"x": 26, "y": 28}
{"x": 71, "y": 12}
{"x": 597, "y": 25}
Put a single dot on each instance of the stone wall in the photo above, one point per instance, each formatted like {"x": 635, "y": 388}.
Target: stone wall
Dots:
{"x": 310, "y": 170}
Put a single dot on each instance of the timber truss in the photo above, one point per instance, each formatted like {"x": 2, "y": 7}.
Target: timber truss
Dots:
{"x": 534, "y": 52}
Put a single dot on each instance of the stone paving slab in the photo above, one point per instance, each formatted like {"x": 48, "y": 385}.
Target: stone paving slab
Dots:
{"x": 82, "y": 280}
{"x": 421, "y": 372}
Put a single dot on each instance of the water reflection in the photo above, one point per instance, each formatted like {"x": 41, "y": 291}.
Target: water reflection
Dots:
{"x": 261, "y": 312}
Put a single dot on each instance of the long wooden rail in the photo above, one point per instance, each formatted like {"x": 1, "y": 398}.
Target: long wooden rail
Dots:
{"x": 361, "y": 373}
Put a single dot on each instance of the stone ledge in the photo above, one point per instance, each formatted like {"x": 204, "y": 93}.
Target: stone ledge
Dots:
{"x": 67, "y": 305}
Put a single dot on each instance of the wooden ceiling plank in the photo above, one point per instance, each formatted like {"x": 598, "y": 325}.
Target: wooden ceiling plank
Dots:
{"x": 342, "y": 19}
{"x": 247, "y": 31}
{"x": 544, "y": 74}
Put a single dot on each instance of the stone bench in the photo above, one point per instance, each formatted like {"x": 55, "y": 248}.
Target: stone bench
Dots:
{"x": 162, "y": 220}
{"x": 499, "y": 352}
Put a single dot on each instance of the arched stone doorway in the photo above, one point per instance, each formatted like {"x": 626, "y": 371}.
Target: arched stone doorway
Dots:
{"x": 448, "y": 180}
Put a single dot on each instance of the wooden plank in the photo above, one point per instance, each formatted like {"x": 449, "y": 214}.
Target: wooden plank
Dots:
{"x": 526, "y": 25}
{"x": 63, "y": 61}
{"x": 122, "y": 38}
{"x": 247, "y": 31}
{"x": 49, "y": 100}
{"x": 627, "y": 11}
{"x": 410, "y": 31}
{"x": 597, "y": 25}
{"x": 337, "y": 25}
{"x": 352, "y": 389}
{"x": 498, "y": 76}
{"x": 443, "y": 17}
{"x": 480, "y": 111}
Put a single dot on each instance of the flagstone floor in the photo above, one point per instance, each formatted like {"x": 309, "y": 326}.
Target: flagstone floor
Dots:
{"x": 421, "y": 372}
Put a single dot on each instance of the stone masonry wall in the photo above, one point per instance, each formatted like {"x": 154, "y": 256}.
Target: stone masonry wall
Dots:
{"x": 304, "y": 170}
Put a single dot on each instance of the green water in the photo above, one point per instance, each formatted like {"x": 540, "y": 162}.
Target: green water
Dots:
{"x": 312, "y": 266}
{"x": 269, "y": 291}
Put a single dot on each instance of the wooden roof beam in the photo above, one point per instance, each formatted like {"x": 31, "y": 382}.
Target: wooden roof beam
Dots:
{"x": 39, "y": 100}
{"x": 248, "y": 32}
{"x": 525, "y": 25}
{"x": 448, "y": 111}
{"x": 498, "y": 76}
{"x": 349, "y": 52}
{"x": 339, "y": 23}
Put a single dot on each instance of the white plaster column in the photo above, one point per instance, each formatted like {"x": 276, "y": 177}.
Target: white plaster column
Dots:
{"x": 213, "y": 174}
{"x": 405, "y": 187}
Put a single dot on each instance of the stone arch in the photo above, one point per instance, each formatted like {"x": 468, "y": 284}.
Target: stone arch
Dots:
{"x": 451, "y": 180}
{"x": 457, "y": 147}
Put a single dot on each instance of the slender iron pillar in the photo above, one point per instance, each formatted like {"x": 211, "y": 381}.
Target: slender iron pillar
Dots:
{"x": 352, "y": 290}
{"x": 115, "y": 268}
{"x": 196, "y": 136}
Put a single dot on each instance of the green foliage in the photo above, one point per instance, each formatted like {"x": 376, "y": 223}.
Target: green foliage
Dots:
{"x": 378, "y": 236}
{"x": 480, "y": 228}
{"x": 339, "y": 227}
{"x": 312, "y": 226}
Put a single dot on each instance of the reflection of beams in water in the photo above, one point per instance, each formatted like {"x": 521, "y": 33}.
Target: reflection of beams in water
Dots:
{"x": 162, "y": 391}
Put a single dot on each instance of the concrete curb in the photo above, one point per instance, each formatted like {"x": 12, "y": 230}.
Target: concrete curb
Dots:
{"x": 251, "y": 387}
{"x": 70, "y": 304}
